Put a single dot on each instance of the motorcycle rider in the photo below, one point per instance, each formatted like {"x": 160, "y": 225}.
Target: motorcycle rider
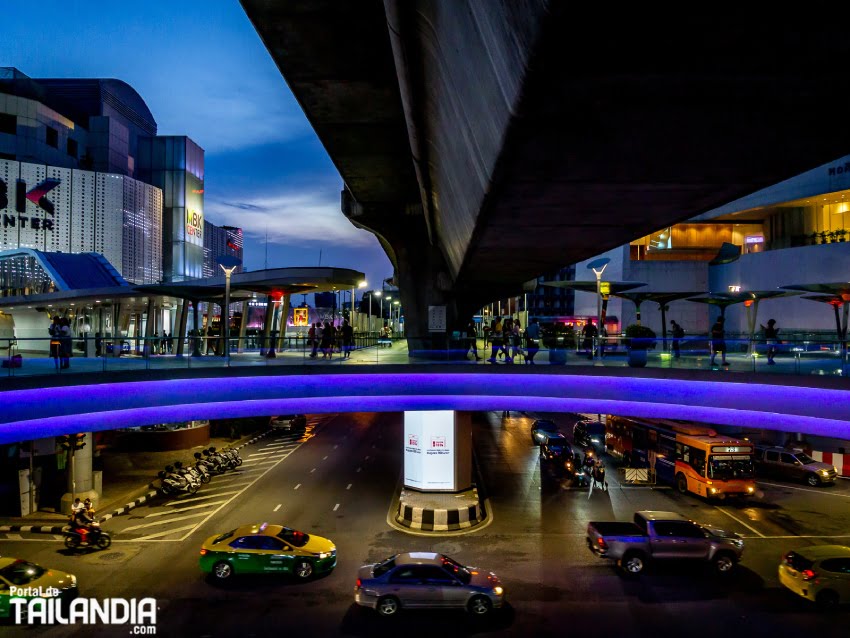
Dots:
{"x": 82, "y": 522}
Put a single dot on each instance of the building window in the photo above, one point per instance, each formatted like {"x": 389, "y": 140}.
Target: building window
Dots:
{"x": 52, "y": 137}
{"x": 8, "y": 123}
{"x": 72, "y": 147}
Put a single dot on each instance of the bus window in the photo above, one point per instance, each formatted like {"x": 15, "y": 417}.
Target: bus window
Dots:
{"x": 698, "y": 461}
{"x": 724, "y": 468}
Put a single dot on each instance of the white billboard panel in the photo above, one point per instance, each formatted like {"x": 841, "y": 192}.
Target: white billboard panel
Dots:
{"x": 429, "y": 450}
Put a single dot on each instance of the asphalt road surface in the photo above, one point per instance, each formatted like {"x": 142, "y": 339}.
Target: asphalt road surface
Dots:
{"x": 339, "y": 481}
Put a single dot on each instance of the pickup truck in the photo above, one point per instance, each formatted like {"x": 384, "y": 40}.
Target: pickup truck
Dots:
{"x": 663, "y": 536}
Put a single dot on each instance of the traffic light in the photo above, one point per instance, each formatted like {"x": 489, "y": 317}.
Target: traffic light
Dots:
{"x": 72, "y": 441}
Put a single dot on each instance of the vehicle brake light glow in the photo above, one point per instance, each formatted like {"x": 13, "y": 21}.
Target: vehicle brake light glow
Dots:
{"x": 808, "y": 574}
{"x": 203, "y": 552}
{"x": 602, "y": 544}
{"x": 358, "y": 584}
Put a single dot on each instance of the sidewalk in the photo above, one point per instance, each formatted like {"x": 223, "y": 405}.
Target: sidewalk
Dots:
{"x": 129, "y": 479}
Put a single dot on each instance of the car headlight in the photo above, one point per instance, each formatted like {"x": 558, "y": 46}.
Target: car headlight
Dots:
{"x": 751, "y": 489}
{"x": 322, "y": 555}
{"x": 712, "y": 490}
{"x": 498, "y": 590}
{"x": 594, "y": 440}
{"x": 824, "y": 472}
{"x": 738, "y": 543}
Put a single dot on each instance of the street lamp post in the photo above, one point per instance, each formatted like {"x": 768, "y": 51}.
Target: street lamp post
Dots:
{"x": 397, "y": 304}
{"x": 380, "y": 296}
{"x": 389, "y": 311}
{"x": 598, "y": 267}
{"x": 228, "y": 264}
{"x": 362, "y": 284}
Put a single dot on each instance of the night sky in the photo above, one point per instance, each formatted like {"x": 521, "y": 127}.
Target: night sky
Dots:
{"x": 203, "y": 72}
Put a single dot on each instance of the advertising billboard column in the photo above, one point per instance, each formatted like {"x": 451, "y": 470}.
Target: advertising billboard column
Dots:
{"x": 437, "y": 451}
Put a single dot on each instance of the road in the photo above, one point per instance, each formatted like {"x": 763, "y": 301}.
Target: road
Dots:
{"x": 339, "y": 481}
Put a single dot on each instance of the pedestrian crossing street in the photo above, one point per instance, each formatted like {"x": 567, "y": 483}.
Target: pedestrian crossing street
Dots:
{"x": 175, "y": 518}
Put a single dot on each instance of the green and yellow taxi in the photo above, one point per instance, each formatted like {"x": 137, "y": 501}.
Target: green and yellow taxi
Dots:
{"x": 22, "y": 579}
{"x": 262, "y": 548}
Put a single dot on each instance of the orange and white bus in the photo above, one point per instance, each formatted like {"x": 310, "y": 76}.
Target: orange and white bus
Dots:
{"x": 694, "y": 458}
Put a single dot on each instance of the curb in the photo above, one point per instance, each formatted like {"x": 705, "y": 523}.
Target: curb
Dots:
{"x": 439, "y": 520}
{"x": 144, "y": 498}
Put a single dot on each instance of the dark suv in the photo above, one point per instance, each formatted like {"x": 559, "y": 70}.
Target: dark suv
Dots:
{"x": 542, "y": 429}
{"x": 556, "y": 449}
{"x": 590, "y": 433}
{"x": 794, "y": 465}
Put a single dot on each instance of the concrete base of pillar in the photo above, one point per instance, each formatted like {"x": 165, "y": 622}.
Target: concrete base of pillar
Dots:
{"x": 440, "y": 512}
{"x": 68, "y": 500}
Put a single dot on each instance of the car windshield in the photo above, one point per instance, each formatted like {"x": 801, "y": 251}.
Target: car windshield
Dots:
{"x": 559, "y": 447}
{"x": 800, "y": 563}
{"x": 223, "y": 537}
{"x": 724, "y": 468}
{"x": 547, "y": 426}
{"x": 461, "y": 572}
{"x": 293, "y": 537}
{"x": 383, "y": 567}
{"x": 21, "y": 572}
{"x": 805, "y": 459}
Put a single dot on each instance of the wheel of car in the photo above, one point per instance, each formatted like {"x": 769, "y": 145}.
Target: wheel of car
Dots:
{"x": 827, "y": 599}
{"x": 724, "y": 563}
{"x": 388, "y": 606}
{"x": 222, "y": 571}
{"x": 104, "y": 541}
{"x": 304, "y": 569}
{"x": 813, "y": 480}
{"x": 682, "y": 483}
{"x": 479, "y": 606}
{"x": 634, "y": 562}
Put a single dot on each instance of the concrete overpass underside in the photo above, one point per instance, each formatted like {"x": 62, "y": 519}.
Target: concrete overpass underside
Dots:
{"x": 486, "y": 142}
{"x": 95, "y": 402}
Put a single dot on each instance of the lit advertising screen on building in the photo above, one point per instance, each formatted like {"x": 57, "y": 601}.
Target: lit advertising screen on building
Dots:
{"x": 194, "y": 210}
{"x": 429, "y": 450}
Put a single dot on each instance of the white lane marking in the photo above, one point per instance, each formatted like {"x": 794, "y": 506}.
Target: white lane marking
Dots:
{"x": 324, "y": 458}
{"x": 313, "y": 470}
{"x": 166, "y": 533}
{"x": 336, "y": 507}
{"x": 297, "y": 486}
{"x": 275, "y": 460}
{"x": 824, "y": 492}
{"x": 359, "y": 468}
{"x": 200, "y": 498}
{"x": 58, "y": 538}
{"x": 807, "y": 536}
{"x": 735, "y": 518}
{"x": 186, "y": 509}
{"x": 278, "y": 507}
{"x": 14, "y": 537}
{"x": 251, "y": 456}
{"x": 211, "y": 514}
{"x": 163, "y": 522}
{"x": 218, "y": 480}
{"x": 349, "y": 486}
{"x": 217, "y": 490}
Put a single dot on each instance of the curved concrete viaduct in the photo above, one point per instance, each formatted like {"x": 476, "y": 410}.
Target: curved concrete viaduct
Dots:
{"x": 486, "y": 142}
{"x": 97, "y": 402}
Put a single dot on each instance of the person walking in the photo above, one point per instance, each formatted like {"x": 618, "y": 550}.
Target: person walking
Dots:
{"x": 771, "y": 334}
{"x": 347, "y": 339}
{"x": 532, "y": 341}
{"x": 66, "y": 338}
{"x": 677, "y": 332}
{"x": 55, "y": 331}
{"x": 471, "y": 340}
{"x": 327, "y": 343}
{"x": 718, "y": 341}
{"x": 516, "y": 340}
{"x": 495, "y": 339}
{"x": 589, "y": 332}
{"x": 313, "y": 338}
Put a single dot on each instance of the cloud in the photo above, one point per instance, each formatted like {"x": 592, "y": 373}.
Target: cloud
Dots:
{"x": 304, "y": 218}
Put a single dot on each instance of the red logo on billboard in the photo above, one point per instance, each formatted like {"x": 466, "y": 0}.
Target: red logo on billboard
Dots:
{"x": 413, "y": 440}
{"x": 438, "y": 442}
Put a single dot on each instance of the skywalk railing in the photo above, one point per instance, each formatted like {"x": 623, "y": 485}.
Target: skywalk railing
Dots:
{"x": 802, "y": 355}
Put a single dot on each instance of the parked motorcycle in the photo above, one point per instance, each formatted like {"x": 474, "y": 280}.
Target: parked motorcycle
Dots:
{"x": 219, "y": 462}
{"x": 92, "y": 536}
{"x": 191, "y": 472}
{"x": 204, "y": 468}
{"x": 172, "y": 482}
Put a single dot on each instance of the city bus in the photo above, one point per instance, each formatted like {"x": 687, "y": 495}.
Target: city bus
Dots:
{"x": 694, "y": 458}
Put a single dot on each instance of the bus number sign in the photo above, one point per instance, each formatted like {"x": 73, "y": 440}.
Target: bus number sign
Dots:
{"x": 732, "y": 449}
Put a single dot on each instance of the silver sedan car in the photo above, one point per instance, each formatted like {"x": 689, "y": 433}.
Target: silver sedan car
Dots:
{"x": 426, "y": 580}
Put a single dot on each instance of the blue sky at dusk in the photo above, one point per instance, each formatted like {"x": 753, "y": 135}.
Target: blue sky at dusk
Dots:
{"x": 203, "y": 72}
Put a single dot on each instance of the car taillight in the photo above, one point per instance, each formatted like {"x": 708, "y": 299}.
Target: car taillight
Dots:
{"x": 808, "y": 574}
{"x": 358, "y": 584}
{"x": 203, "y": 552}
{"x": 602, "y": 544}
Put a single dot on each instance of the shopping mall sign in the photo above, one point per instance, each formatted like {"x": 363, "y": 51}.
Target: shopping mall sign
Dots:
{"x": 37, "y": 196}
{"x": 194, "y": 224}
